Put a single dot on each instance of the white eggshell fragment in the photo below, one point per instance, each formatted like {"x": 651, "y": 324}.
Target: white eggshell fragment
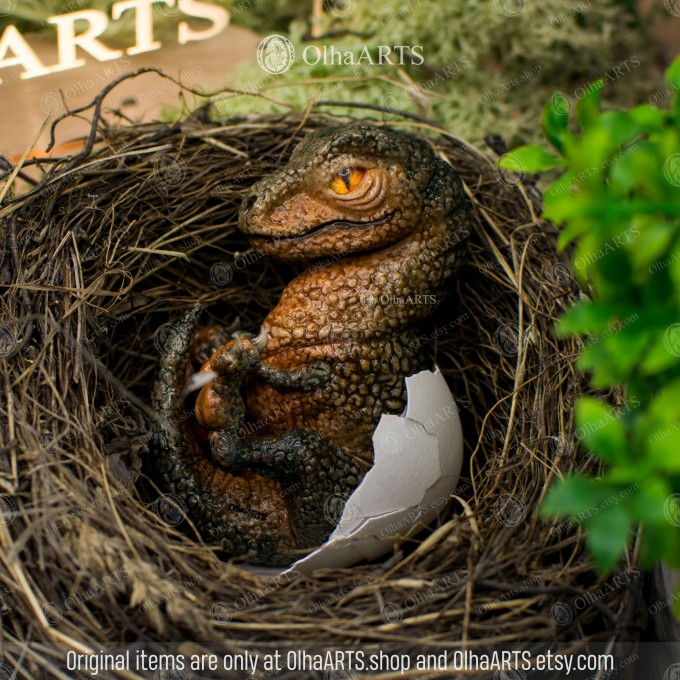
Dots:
{"x": 418, "y": 457}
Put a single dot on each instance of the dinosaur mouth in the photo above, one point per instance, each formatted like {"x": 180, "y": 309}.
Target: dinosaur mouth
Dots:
{"x": 326, "y": 227}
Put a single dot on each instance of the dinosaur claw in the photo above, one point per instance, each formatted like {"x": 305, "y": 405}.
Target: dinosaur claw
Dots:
{"x": 196, "y": 381}
{"x": 260, "y": 340}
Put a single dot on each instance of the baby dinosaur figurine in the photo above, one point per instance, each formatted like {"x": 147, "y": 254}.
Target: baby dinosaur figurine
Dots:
{"x": 382, "y": 223}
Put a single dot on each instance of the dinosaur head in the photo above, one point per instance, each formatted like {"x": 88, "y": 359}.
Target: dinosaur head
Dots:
{"x": 344, "y": 190}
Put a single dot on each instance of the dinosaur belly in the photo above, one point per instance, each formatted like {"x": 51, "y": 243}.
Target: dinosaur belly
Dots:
{"x": 367, "y": 380}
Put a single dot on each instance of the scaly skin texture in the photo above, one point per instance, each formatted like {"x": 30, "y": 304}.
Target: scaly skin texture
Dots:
{"x": 382, "y": 224}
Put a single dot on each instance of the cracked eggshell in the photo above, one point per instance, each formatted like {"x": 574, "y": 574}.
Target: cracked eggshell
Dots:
{"x": 418, "y": 457}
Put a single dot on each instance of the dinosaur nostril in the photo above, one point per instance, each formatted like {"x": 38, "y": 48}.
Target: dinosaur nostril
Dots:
{"x": 250, "y": 202}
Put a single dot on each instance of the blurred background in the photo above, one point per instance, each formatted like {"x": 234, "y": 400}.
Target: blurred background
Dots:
{"x": 479, "y": 67}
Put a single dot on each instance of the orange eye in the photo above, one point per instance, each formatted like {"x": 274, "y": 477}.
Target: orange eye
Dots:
{"x": 347, "y": 179}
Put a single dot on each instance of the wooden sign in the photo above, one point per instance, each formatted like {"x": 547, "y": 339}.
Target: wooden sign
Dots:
{"x": 15, "y": 49}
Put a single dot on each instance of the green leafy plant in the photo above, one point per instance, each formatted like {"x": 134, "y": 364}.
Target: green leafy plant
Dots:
{"x": 618, "y": 202}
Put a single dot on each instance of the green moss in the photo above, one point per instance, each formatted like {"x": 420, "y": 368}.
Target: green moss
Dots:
{"x": 484, "y": 71}
{"x": 267, "y": 17}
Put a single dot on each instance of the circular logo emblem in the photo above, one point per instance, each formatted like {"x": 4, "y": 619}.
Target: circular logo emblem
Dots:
{"x": 391, "y": 613}
{"x": 561, "y": 613}
{"x": 673, "y": 7}
{"x": 506, "y": 339}
{"x": 339, "y": 507}
{"x": 510, "y": 510}
{"x": 560, "y": 444}
{"x": 275, "y": 54}
{"x": 170, "y": 169}
{"x": 511, "y": 178}
{"x": 165, "y": 336}
{"x": 671, "y": 339}
{"x": 510, "y": 8}
{"x": 671, "y": 168}
{"x": 671, "y": 509}
{"x": 49, "y": 443}
{"x": 50, "y": 102}
{"x": 368, "y": 300}
{"x": 672, "y": 672}
{"x": 169, "y": 10}
{"x": 390, "y": 103}
{"x": 7, "y": 341}
{"x": 7, "y": 7}
{"x": 221, "y": 274}
{"x": 8, "y": 510}
{"x": 560, "y": 103}
{"x": 391, "y": 443}
{"x": 53, "y": 613}
{"x": 221, "y": 104}
{"x": 221, "y": 612}
{"x": 561, "y": 273}
{"x": 339, "y": 8}
{"x": 220, "y": 443}
{"x": 7, "y": 672}
{"x": 170, "y": 509}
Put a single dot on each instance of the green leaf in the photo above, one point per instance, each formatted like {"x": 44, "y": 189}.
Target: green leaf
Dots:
{"x": 574, "y": 495}
{"x": 569, "y": 232}
{"x": 620, "y": 127}
{"x": 655, "y": 237}
{"x": 663, "y": 450}
{"x": 528, "y": 159}
{"x": 556, "y": 120}
{"x": 673, "y": 78}
{"x": 622, "y": 347}
{"x": 573, "y": 207}
{"x": 607, "y": 535}
{"x": 661, "y": 542}
{"x": 601, "y": 430}
{"x": 648, "y": 117}
{"x": 673, "y": 262}
{"x": 647, "y": 503}
{"x": 659, "y": 430}
{"x": 636, "y": 168}
{"x": 588, "y": 108}
{"x": 673, "y": 73}
{"x": 663, "y": 352}
{"x": 665, "y": 408}
{"x": 600, "y": 143}
{"x": 584, "y": 317}
{"x": 675, "y": 108}
{"x": 559, "y": 188}
{"x": 594, "y": 358}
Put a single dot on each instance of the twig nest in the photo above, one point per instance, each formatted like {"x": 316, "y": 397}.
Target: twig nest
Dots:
{"x": 104, "y": 254}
